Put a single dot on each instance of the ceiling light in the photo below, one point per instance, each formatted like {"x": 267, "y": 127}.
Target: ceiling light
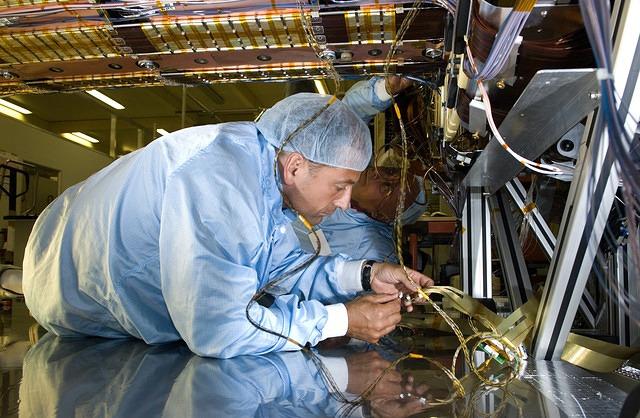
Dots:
{"x": 115, "y": 66}
{"x": 322, "y": 89}
{"x": 162, "y": 131}
{"x": 56, "y": 69}
{"x": 374, "y": 52}
{"x": 76, "y": 139}
{"x": 201, "y": 61}
{"x": 15, "y": 107}
{"x": 85, "y": 136}
{"x": 105, "y": 99}
{"x": 264, "y": 57}
{"x": 11, "y": 112}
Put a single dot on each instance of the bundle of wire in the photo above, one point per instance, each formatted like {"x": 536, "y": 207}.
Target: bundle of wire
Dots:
{"x": 318, "y": 49}
{"x": 441, "y": 185}
{"x": 505, "y": 38}
{"x": 490, "y": 342}
{"x": 619, "y": 124}
{"x": 498, "y": 56}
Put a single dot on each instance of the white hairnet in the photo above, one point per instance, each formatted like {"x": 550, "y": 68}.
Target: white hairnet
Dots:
{"x": 337, "y": 137}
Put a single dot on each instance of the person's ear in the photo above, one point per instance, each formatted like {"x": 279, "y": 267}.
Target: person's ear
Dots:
{"x": 291, "y": 167}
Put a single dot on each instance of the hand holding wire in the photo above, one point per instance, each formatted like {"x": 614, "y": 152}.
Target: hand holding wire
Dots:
{"x": 391, "y": 278}
{"x": 373, "y": 316}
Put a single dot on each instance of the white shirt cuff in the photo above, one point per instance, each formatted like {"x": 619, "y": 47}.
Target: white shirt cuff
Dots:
{"x": 337, "y": 321}
{"x": 349, "y": 276}
{"x": 380, "y": 89}
{"x": 337, "y": 367}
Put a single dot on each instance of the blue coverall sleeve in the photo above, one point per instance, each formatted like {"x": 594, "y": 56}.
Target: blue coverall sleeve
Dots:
{"x": 327, "y": 279}
{"x": 363, "y": 100}
{"x": 213, "y": 240}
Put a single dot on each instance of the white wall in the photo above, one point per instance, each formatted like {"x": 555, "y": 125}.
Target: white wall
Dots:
{"x": 36, "y": 145}
{"x": 29, "y": 143}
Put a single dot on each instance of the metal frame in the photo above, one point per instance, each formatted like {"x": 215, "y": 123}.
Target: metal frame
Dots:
{"x": 547, "y": 240}
{"x": 545, "y": 236}
{"x": 590, "y": 199}
{"x": 628, "y": 317}
{"x": 533, "y": 124}
{"x": 476, "y": 244}
{"x": 514, "y": 267}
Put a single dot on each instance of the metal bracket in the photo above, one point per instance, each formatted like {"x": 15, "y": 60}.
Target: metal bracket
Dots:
{"x": 534, "y": 123}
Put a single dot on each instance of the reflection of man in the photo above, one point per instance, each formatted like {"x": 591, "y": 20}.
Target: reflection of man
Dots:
{"x": 78, "y": 377}
{"x": 366, "y": 229}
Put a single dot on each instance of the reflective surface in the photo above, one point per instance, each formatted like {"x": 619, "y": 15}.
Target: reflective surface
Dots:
{"x": 124, "y": 378}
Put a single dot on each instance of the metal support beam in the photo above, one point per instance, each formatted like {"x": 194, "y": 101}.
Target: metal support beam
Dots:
{"x": 476, "y": 244}
{"x": 112, "y": 136}
{"x": 140, "y": 138}
{"x": 547, "y": 240}
{"x": 628, "y": 317}
{"x": 183, "y": 107}
{"x": 543, "y": 233}
{"x": 590, "y": 198}
{"x": 512, "y": 260}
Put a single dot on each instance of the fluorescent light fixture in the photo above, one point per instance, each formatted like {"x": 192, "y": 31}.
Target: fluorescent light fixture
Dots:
{"x": 260, "y": 114}
{"x": 105, "y": 99}
{"x": 162, "y": 131}
{"x": 12, "y": 113}
{"x": 15, "y": 107}
{"x": 85, "y": 137}
{"x": 77, "y": 139}
{"x": 320, "y": 86}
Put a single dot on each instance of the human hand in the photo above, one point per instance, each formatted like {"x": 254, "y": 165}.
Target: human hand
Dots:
{"x": 373, "y": 316}
{"x": 391, "y": 278}
{"x": 364, "y": 368}
{"x": 396, "y": 84}
{"x": 370, "y": 367}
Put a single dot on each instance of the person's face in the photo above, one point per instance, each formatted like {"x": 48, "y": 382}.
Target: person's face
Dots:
{"x": 377, "y": 193}
{"x": 315, "y": 190}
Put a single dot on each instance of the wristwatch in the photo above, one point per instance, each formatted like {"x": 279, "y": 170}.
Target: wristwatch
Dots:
{"x": 365, "y": 275}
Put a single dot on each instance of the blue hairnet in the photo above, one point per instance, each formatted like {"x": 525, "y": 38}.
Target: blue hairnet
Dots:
{"x": 418, "y": 207}
{"x": 337, "y": 137}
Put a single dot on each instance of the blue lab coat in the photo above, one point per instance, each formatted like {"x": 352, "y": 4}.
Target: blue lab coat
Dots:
{"x": 171, "y": 242}
{"x": 355, "y": 234}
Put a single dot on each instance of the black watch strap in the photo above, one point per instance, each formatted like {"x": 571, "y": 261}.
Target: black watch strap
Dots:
{"x": 365, "y": 275}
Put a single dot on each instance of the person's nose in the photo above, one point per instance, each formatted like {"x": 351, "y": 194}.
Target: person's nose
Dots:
{"x": 344, "y": 202}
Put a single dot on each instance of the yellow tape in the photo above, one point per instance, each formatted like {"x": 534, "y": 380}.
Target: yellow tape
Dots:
{"x": 397, "y": 109}
{"x": 595, "y": 355}
{"x": 585, "y": 352}
{"x": 530, "y": 207}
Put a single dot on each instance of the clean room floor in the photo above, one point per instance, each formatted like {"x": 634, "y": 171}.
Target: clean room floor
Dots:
{"x": 44, "y": 376}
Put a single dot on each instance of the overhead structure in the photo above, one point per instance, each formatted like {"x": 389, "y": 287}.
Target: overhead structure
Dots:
{"x": 61, "y": 46}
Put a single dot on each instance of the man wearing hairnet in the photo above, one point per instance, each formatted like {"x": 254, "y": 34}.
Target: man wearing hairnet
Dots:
{"x": 172, "y": 241}
{"x": 366, "y": 229}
